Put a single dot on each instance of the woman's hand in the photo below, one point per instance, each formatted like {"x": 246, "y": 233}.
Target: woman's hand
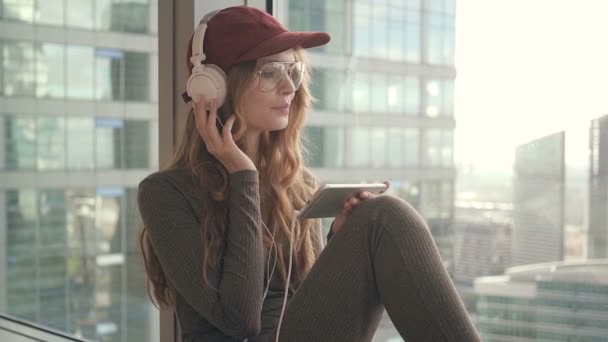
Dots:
{"x": 350, "y": 204}
{"x": 222, "y": 147}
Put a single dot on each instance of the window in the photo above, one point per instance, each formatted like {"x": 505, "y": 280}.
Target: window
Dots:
{"x": 325, "y": 146}
{"x": 361, "y": 92}
{"x": 439, "y": 148}
{"x": 50, "y": 70}
{"x": 326, "y": 16}
{"x": 440, "y": 98}
{"x": 51, "y": 143}
{"x": 440, "y": 25}
{"x": 20, "y": 142}
{"x": 21, "y": 221}
{"x": 108, "y": 135}
{"x": 80, "y": 144}
{"x": 18, "y": 65}
{"x": 109, "y": 70}
{"x": 387, "y": 30}
{"x": 361, "y": 147}
{"x": 136, "y": 144}
{"x": 18, "y": 10}
{"x": 49, "y": 12}
{"x": 80, "y": 76}
{"x": 137, "y": 70}
{"x": 79, "y": 13}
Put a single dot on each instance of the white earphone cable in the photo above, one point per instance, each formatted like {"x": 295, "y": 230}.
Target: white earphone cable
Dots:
{"x": 292, "y": 228}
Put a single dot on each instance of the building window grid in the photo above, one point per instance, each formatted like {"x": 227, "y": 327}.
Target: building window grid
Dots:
{"x": 440, "y": 32}
{"x": 102, "y": 16}
{"x": 29, "y": 72}
{"x": 379, "y": 26}
{"x": 61, "y": 151}
{"x": 316, "y": 15}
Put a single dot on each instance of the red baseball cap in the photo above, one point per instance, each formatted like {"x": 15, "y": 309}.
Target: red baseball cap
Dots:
{"x": 240, "y": 34}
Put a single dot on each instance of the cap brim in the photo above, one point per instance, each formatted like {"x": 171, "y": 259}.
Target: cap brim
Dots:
{"x": 285, "y": 41}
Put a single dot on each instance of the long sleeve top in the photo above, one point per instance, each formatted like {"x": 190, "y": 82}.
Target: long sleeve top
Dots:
{"x": 171, "y": 205}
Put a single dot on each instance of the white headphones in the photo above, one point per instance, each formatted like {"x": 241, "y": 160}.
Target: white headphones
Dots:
{"x": 207, "y": 80}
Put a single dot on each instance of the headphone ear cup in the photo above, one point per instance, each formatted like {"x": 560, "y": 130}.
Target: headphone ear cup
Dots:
{"x": 209, "y": 81}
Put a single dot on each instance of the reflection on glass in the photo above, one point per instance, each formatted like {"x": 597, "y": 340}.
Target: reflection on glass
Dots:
{"x": 79, "y": 13}
{"x": 52, "y": 258}
{"x": 81, "y": 237}
{"x": 439, "y": 148}
{"x": 20, "y": 10}
{"x": 379, "y": 93}
{"x": 131, "y": 16}
{"x": 137, "y": 144}
{"x": 20, "y": 142}
{"x": 361, "y": 92}
{"x": 412, "y": 96}
{"x": 137, "y": 74}
{"x": 51, "y": 143}
{"x": 49, "y": 12}
{"x": 21, "y": 221}
{"x": 378, "y": 147}
{"x": 433, "y": 146}
{"x": 108, "y": 135}
{"x": 447, "y": 148}
{"x": 440, "y": 98}
{"x": 110, "y": 219}
{"x": 411, "y": 141}
{"x": 50, "y": 70}
{"x": 103, "y": 14}
{"x": 433, "y": 98}
{"x": 80, "y": 73}
{"x": 325, "y": 146}
{"x": 360, "y": 147}
{"x": 109, "y": 69}
{"x": 18, "y": 67}
{"x": 395, "y": 148}
{"x": 80, "y": 143}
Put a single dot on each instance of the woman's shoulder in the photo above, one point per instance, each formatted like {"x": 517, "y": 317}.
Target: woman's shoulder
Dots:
{"x": 178, "y": 179}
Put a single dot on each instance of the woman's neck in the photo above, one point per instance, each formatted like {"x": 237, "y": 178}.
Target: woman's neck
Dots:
{"x": 252, "y": 143}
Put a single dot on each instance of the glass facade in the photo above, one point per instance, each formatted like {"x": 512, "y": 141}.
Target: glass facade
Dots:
{"x": 32, "y": 69}
{"x": 78, "y": 119}
{"x": 568, "y": 306}
{"x": 386, "y": 85}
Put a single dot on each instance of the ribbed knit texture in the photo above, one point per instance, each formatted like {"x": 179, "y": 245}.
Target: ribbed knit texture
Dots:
{"x": 384, "y": 256}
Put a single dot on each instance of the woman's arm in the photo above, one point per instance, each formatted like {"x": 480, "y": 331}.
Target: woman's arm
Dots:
{"x": 235, "y": 308}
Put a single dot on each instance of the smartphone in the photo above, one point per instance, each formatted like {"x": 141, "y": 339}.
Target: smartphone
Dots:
{"x": 328, "y": 200}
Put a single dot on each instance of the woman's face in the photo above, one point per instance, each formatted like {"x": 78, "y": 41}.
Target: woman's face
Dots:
{"x": 268, "y": 109}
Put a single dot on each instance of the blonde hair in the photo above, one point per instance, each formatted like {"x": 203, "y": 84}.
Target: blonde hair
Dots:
{"x": 284, "y": 186}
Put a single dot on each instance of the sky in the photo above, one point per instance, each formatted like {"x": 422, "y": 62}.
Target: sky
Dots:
{"x": 526, "y": 69}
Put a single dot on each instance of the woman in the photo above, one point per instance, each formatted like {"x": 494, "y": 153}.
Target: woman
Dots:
{"x": 220, "y": 216}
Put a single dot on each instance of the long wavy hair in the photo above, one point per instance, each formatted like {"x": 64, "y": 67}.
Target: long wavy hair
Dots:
{"x": 284, "y": 186}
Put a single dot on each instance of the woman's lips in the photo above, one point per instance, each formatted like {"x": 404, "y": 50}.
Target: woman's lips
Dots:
{"x": 282, "y": 109}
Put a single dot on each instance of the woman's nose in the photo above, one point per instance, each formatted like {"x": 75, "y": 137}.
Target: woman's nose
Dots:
{"x": 287, "y": 87}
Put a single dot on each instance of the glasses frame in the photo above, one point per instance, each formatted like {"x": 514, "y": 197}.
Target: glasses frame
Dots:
{"x": 289, "y": 66}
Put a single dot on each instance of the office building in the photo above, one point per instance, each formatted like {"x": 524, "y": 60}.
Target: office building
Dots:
{"x": 78, "y": 116}
{"x": 538, "y": 201}
{"x": 598, "y": 188}
{"x": 557, "y": 301}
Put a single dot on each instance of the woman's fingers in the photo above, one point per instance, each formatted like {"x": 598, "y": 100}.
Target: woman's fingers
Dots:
{"x": 227, "y": 130}
{"x": 211, "y": 127}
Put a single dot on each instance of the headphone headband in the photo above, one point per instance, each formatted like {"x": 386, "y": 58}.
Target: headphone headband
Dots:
{"x": 198, "y": 55}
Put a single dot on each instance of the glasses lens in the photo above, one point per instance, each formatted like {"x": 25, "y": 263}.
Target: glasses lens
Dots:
{"x": 297, "y": 74}
{"x": 272, "y": 74}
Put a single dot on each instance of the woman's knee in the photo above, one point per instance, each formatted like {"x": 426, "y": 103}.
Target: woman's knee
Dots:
{"x": 393, "y": 213}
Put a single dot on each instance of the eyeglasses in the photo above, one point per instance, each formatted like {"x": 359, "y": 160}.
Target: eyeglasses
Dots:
{"x": 272, "y": 73}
